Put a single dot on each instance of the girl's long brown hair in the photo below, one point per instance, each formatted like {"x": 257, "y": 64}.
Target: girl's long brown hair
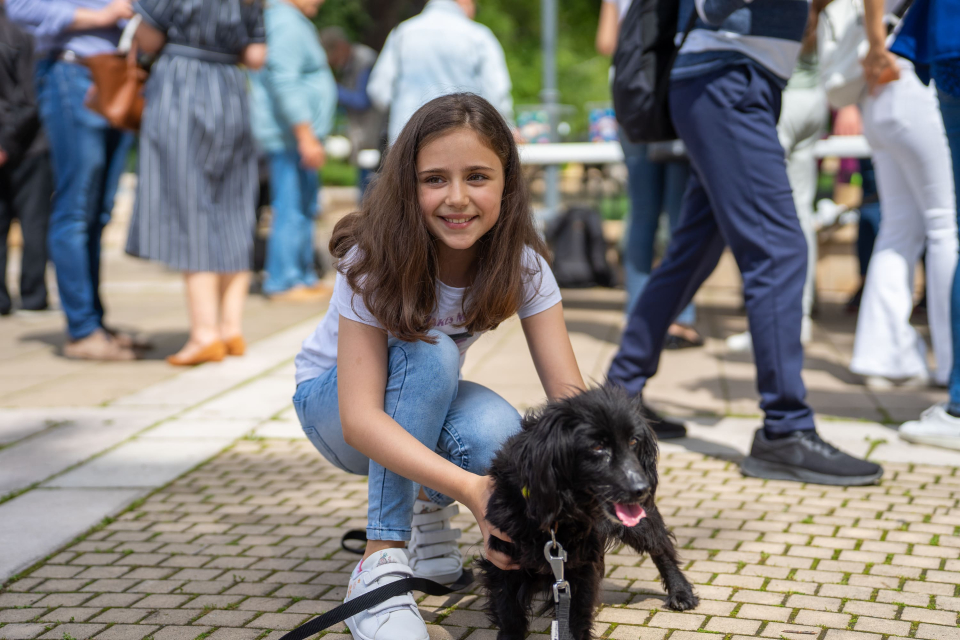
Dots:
{"x": 395, "y": 268}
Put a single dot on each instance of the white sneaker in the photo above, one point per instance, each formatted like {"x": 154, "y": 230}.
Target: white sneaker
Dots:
{"x": 395, "y": 619}
{"x": 740, "y": 342}
{"x": 743, "y": 342}
{"x": 883, "y": 383}
{"x": 935, "y": 427}
{"x": 433, "y": 549}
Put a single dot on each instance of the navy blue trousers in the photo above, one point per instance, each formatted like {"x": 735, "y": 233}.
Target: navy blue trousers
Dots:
{"x": 738, "y": 196}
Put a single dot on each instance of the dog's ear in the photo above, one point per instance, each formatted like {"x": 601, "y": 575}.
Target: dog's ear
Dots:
{"x": 544, "y": 461}
{"x": 649, "y": 453}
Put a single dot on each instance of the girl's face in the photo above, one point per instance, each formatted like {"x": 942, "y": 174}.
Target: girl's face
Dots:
{"x": 460, "y": 183}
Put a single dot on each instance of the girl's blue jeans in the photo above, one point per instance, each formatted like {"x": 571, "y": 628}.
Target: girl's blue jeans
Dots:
{"x": 653, "y": 187}
{"x": 950, "y": 108}
{"x": 462, "y": 421}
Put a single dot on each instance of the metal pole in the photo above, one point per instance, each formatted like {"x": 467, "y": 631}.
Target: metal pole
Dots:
{"x": 549, "y": 96}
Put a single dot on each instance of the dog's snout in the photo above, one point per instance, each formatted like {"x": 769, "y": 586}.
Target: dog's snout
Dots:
{"x": 637, "y": 484}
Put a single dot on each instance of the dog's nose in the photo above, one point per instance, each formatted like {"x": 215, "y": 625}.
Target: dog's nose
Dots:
{"x": 639, "y": 487}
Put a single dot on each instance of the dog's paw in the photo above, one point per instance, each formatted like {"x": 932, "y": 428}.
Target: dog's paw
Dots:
{"x": 682, "y": 600}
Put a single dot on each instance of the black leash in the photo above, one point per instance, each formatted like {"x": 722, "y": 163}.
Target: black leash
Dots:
{"x": 375, "y": 597}
{"x": 559, "y": 628}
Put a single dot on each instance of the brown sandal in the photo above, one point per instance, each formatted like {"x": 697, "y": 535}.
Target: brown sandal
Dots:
{"x": 213, "y": 352}
{"x": 236, "y": 345}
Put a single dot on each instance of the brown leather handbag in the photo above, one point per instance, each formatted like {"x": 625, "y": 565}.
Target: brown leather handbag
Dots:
{"x": 117, "y": 91}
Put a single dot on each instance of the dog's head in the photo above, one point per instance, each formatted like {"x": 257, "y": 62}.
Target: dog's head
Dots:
{"x": 586, "y": 457}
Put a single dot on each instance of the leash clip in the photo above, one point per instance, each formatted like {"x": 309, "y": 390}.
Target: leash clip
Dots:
{"x": 556, "y": 564}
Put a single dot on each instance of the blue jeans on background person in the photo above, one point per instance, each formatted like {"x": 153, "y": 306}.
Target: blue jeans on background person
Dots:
{"x": 869, "y": 225}
{"x": 293, "y": 192}
{"x": 950, "y": 108}
{"x": 738, "y": 196}
{"x": 653, "y": 187}
{"x": 88, "y": 157}
{"x": 462, "y": 421}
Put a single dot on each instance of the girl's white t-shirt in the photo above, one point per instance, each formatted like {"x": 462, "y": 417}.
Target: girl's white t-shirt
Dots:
{"x": 319, "y": 351}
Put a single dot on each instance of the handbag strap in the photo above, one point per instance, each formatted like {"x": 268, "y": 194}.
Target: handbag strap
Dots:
{"x": 126, "y": 43}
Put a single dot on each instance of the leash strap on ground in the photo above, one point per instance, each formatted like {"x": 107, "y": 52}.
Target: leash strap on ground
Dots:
{"x": 375, "y": 597}
{"x": 354, "y": 534}
{"x": 560, "y": 628}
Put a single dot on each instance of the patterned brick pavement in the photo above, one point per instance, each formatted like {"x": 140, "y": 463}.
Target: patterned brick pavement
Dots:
{"x": 247, "y": 545}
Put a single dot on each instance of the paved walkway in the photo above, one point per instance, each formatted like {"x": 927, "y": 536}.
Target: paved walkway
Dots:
{"x": 227, "y": 522}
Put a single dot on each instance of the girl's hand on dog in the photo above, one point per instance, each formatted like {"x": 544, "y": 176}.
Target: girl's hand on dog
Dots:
{"x": 477, "y": 498}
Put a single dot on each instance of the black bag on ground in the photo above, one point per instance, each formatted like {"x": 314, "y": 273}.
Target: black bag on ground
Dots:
{"x": 579, "y": 249}
{"x": 646, "y": 50}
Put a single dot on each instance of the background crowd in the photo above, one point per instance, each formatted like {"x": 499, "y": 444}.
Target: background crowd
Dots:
{"x": 234, "y": 83}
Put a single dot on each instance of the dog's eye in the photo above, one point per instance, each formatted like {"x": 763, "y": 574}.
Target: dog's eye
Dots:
{"x": 633, "y": 442}
{"x": 599, "y": 449}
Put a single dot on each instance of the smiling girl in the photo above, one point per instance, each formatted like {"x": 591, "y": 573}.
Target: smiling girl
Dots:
{"x": 443, "y": 249}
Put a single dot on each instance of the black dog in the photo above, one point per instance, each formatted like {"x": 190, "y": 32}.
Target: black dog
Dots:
{"x": 586, "y": 465}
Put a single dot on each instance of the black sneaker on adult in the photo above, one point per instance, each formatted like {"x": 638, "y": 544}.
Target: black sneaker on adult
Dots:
{"x": 803, "y": 456}
{"x": 665, "y": 428}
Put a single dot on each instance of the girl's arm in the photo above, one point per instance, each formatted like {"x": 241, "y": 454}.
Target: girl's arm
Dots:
{"x": 361, "y": 382}
{"x": 549, "y": 343}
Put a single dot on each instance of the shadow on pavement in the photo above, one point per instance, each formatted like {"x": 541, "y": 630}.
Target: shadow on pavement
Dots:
{"x": 163, "y": 343}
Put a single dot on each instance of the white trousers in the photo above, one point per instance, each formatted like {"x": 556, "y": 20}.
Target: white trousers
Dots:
{"x": 903, "y": 125}
{"x": 803, "y": 119}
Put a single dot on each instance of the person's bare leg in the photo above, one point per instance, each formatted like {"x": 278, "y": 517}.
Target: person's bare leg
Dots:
{"x": 233, "y": 296}
{"x": 203, "y": 305}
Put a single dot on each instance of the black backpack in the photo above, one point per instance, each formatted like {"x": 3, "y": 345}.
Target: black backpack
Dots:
{"x": 642, "y": 63}
{"x": 579, "y": 249}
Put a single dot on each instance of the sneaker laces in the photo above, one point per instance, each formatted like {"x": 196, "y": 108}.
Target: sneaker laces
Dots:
{"x": 432, "y": 537}
{"x": 819, "y": 445}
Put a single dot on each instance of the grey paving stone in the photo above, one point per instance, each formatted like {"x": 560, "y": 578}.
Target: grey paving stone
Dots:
{"x": 21, "y": 631}
{"x": 140, "y": 463}
{"x": 120, "y": 615}
{"x": 171, "y": 616}
{"x": 77, "y": 631}
{"x": 38, "y": 458}
{"x": 234, "y": 634}
{"x": 179, "y": 633}
{"x": 38, "y": 522}
{"x": 127, "y": 632}
{"x": 20, "y": 615}
{"x": 63, "y": 600}
{"x": 114, "y": 600}
{"x": 70, "y": 614}
{"x": 223, "y": 618}
{"x": 163, "y": 601}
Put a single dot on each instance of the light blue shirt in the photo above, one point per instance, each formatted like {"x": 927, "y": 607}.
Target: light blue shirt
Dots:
{"x": 438, "y": 52}
{"x": 296, "y": 85}
{"x": 49, "y": 21}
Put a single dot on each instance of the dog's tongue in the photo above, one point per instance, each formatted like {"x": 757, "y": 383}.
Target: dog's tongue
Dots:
{"x": 629, "y": 514}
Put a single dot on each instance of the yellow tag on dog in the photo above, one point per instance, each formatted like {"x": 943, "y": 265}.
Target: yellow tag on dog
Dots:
{"x": 525, "y": 492}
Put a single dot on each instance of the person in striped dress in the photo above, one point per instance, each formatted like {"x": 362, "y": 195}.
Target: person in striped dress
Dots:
{"x": 198, "y": 167}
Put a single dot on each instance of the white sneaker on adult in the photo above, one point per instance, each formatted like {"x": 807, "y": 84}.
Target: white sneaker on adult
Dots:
{"x": 883, "y": 383}
{"x": 433, "y": 549}
{"x": 740, "y": 342}
{"x": 395, "y": 619}
{"x": 935, "y": 427}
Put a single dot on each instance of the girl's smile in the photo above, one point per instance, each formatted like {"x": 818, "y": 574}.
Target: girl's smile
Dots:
{"x": 460, "y": 183}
